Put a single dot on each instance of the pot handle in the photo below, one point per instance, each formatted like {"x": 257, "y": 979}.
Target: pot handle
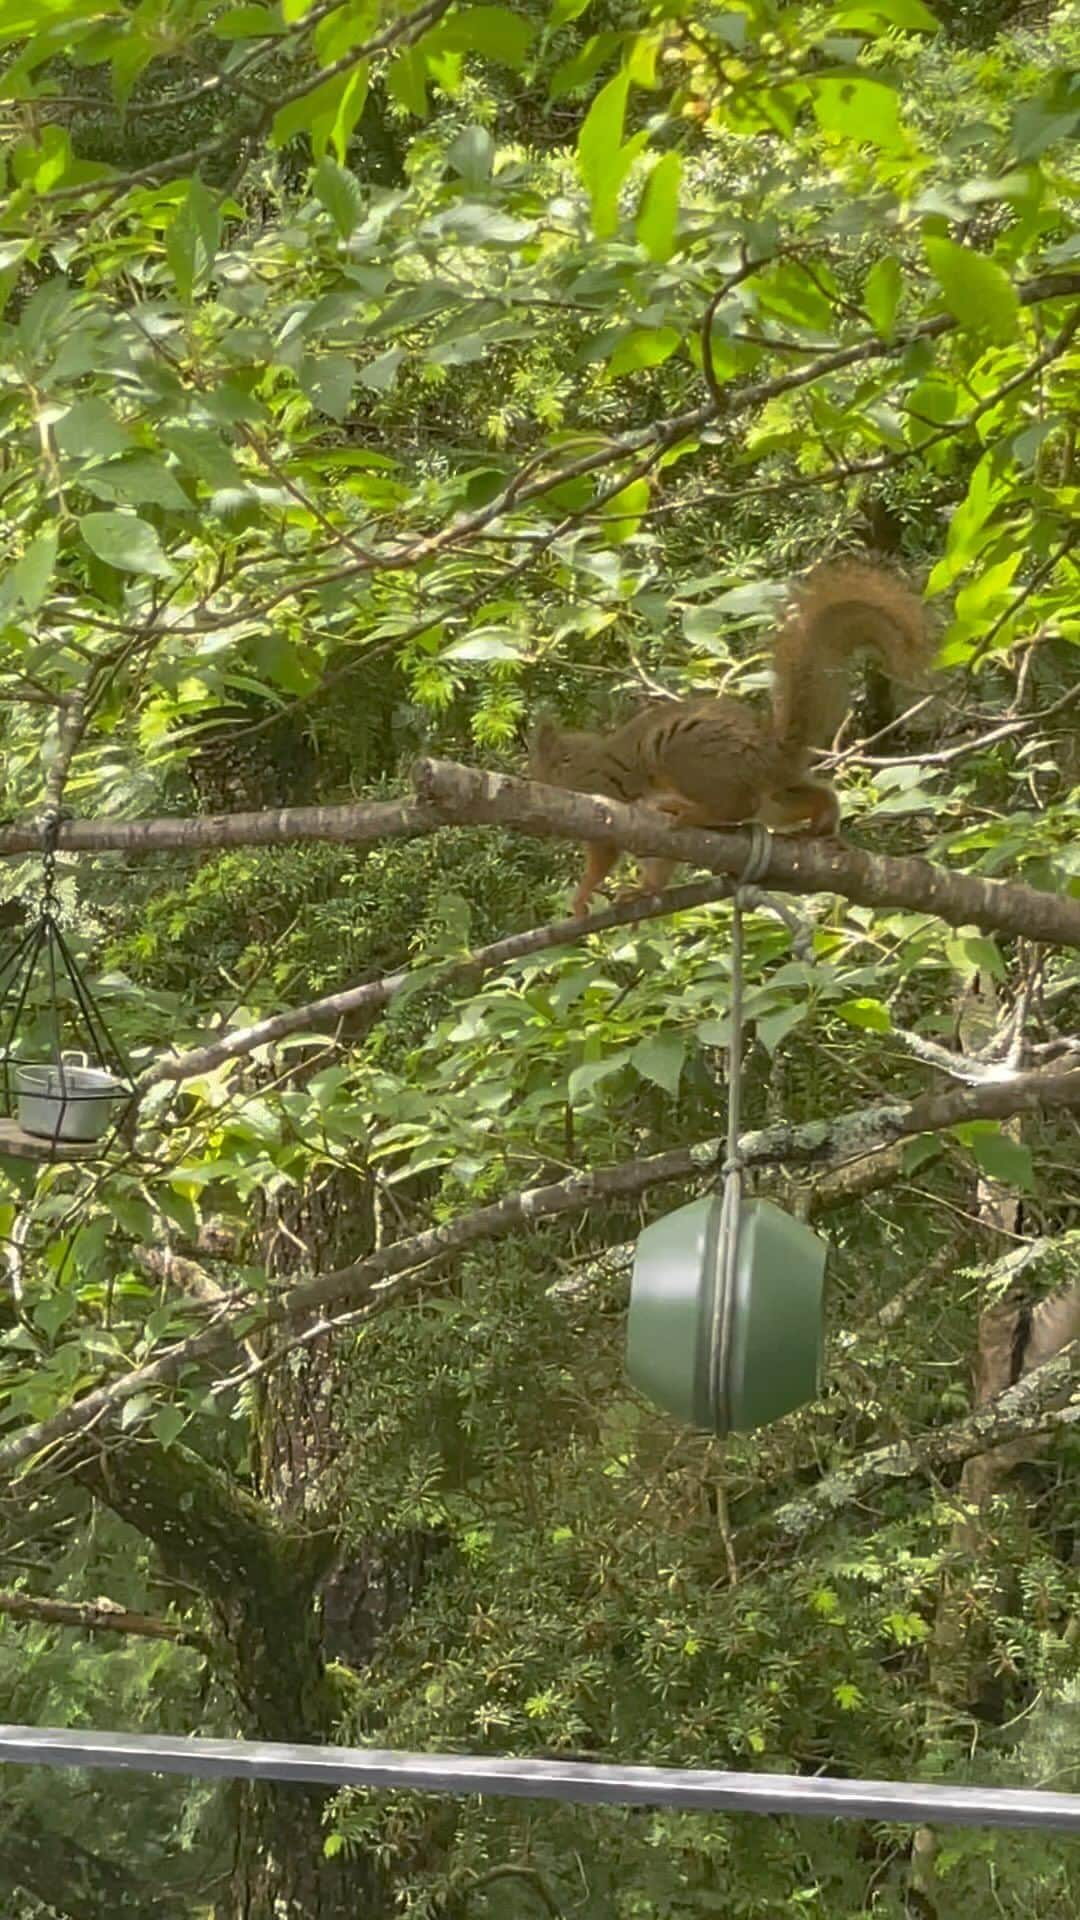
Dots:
{"x": 76, "y": 1056}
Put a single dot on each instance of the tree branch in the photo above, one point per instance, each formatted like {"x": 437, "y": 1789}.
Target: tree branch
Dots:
{"x": 374, "y": 994}
{"x": 464, "y": 795}
{"x": 451, "y": 795}
{"x": 393, "y": 1270}
{"x": 354, "y": 826}
{"x": 97, "y": 1616}
{"x": 1021, "y": 1412}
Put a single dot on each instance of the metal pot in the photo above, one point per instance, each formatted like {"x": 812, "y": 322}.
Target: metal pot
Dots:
{"x": 677, "y": 1304}
{"x": 76, "y": 1104}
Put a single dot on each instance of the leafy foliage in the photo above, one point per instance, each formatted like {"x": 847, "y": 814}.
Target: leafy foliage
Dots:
{"x": 368, "y": 380}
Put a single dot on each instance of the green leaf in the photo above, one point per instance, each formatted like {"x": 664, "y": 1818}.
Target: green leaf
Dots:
{"x": 1005, "y": 1160}
{"x": 34, "y": 571}
{"x": 139, "y": 480}
{"x": 328, "y": 111}
{"x": 248, "y": 23}
{"x": 599, "y": 144}
{"x": 495, "y": 32}
{"x": 910, "y": 15}
{"x": 658, "y": 216}
{"x": 881, "y": 294}
{"x": 477, "y": 224}
{"x": 931, "y": 404}
{"x": 125, "y": 541}
{"x": 168, "y": 1424}
{"x": 969, "y": 531}
{"x": 486, "y": 643}
{"x": 771, "y": 1028}
{"x": 977, "y": 292}
{"x": 340, "y": 192}
{"x": 134, "y": 1410}
{"x": 732, "y": 28}
{"x": 90, "y": 430}
{"x": 472, "y": 156}
{"x": 1053, "y": 116}
{"x": 585, "y": 64}
{"x": 52, "y": 1311}
{"x": 971, "y": 953}
{"x": 335, "y": 125}
{"x": 590, "y": 1073}
{"x": 919, "y": 1151}
{"x": 191, "y": 240}
{"x": 277, "y": 660}
{"x": 622, "y": 514}
{"x": 987, "y": 593}
{"x": 45, "y": 309}
{"x": 858, "y": 109}
{"x": 203, "y": 454}
{"x": 379, "y": 374}
{"x": 328, "y": 380}
{"x": 714, "y": 1033}
{"x": 661, "y": 1059}
{"x": 406, "y": 81}
{"x": 645, "y": 347}
{"x": 867, "y": 1013}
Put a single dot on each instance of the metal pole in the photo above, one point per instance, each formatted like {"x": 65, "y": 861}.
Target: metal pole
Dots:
{"x": 697, "y": 1791}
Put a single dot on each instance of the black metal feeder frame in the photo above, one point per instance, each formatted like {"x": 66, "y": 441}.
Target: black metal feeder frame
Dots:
{"x": 55, "y": 1108}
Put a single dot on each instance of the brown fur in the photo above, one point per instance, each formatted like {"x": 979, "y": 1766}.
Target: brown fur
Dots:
{"x": 719, "y": 762}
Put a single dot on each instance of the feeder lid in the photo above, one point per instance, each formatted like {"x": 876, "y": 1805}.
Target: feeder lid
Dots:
{"x": 775, "y": 1329}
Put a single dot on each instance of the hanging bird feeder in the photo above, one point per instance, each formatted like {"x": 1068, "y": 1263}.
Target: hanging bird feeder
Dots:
{"x": 58, "y": 1103}
{"x": 726, "y": 1326}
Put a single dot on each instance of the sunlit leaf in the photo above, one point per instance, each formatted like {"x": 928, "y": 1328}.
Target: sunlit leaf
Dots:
{"x": 977, "y": 291}
{"x": 125, "y": 541}
{"x": 658, "y": 216}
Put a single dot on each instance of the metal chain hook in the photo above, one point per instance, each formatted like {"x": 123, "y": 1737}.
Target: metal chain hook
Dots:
{"x": 50, "y": 839}
{"x": 755, "y": 865}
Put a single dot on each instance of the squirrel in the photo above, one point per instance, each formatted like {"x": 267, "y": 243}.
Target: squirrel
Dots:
{"x": 718, "y": 762}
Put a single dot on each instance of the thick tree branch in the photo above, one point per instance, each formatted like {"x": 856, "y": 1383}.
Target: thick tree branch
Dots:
{"x": 383, "y": 1276}
{"x": 451, "y": 795}
{"x": 465, "y": 795}
{"x": 1029, "y": 1408}
{"x": 354, "y": 826}
{"x": 97, "y": 1616}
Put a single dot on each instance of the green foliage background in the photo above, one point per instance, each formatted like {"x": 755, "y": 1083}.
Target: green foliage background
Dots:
{"x": 359, "y": 404}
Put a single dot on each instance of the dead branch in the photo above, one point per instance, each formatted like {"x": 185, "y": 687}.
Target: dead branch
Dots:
{"x": 97, "y": 1616}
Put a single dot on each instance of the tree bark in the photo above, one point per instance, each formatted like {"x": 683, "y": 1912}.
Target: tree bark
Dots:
{"x": 260, "y": 1580}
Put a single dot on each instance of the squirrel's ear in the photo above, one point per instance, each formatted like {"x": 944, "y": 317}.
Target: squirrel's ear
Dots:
{"x": 544, "y": 735}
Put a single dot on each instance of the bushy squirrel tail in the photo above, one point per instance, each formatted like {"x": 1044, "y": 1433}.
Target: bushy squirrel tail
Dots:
{"x": 842, "y": 608}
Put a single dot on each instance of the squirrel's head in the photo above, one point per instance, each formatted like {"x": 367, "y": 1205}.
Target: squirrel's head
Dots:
{"x": 546, "y": 749}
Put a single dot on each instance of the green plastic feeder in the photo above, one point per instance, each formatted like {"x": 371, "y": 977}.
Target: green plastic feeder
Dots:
{"x": 771, "y": 1358}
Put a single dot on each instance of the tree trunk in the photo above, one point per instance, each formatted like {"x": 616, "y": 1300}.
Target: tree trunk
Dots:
{"x": 281, "y": 1871}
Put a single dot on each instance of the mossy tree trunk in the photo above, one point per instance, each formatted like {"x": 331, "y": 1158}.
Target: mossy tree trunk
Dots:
{"x": 260, "y": 1580}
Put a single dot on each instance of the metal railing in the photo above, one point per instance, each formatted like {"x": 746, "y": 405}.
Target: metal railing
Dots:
{"x": 699, "y": 1790}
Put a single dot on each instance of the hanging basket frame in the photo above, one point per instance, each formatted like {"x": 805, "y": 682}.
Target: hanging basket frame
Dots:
{"x": 72, "y": 1103}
